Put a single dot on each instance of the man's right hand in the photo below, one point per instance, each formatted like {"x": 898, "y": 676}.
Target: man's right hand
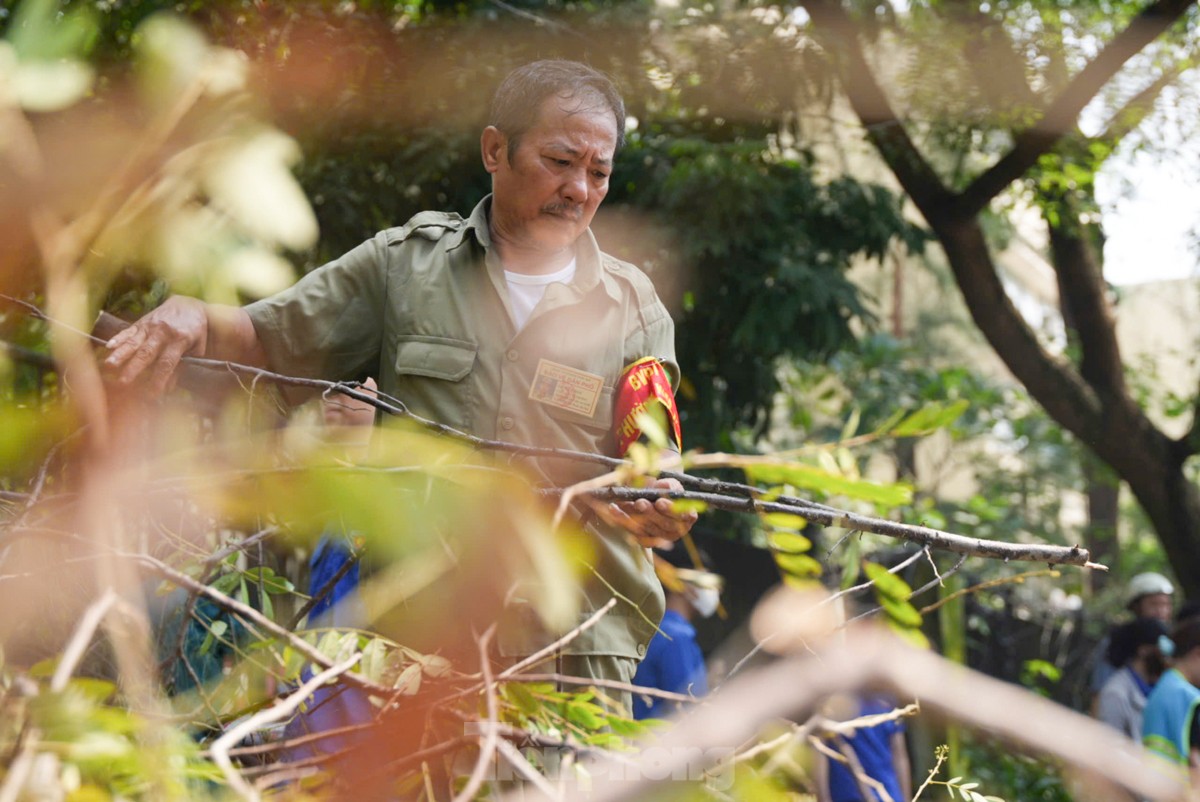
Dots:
{"x": 153, "y": 346}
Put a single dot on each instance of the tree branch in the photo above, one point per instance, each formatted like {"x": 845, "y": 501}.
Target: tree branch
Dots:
{"x": 1063, "y": 113}
{"x": 933, "y": 538}
{"x": 839, "y": 35}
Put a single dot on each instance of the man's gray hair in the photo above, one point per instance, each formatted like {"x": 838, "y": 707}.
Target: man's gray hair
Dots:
{"x": 517, "y": 103}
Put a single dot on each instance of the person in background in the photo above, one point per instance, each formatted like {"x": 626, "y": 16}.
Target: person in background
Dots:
{"x": 333, "y": 582}
{"x": 1136, "y": 647}
{"x": 1170, "y": 726}
{"x": 881, "y": 753}
{"x": 673, "y": 660}
{"x": 1149, "y": 595}
{"x": 1188, "y": 610}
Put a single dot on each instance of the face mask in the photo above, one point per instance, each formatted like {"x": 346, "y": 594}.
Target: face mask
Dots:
{"x": 705, "y": 600}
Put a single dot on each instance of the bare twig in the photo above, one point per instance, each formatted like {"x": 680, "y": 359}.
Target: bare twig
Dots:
{"x": 940, "y": 756}
{"x": 280, "y": 710}
{"x": 1004, "y": 580}
{"x": 325, "y": 589}
{"x": 541, "y": 655}
{"x": 81, "y": 639}
{"x": 487, "y": 749}
{"x": 248, "y": 612}
{"x": 895, "y": 569}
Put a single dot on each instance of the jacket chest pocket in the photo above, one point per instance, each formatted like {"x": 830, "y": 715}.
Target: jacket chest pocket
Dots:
{"x": 431, "y": 376}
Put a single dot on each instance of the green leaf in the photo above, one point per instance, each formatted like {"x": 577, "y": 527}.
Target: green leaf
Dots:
{"x": 652, "y": 422}
{"x": 929, "y": 418}
{"x": 783, "y": 520}
{"x": 226, "y": 583}
{"x": 409, "y": 681}
{"x": 269, "y": 581}
{"x": 626, "y": 727}
{"x": 789, "y": 542}
{"x": 374, "y": 660}
{"x": 98, "y": 690}
{"x": 42, "y": 31}
{"x": 685, "y": 505}
{"x": 44, "y": 669}
{"x": 902, "y": 612}
{"x": 800, "y": 566}
{"x": 810, "y": 478}
{"x": 434, "y": 665}
{"x": 522, "y": 699}
{"x": 851, "y": 427}
{"x": 887, "y": 584}
{"x": 586, "y": 715}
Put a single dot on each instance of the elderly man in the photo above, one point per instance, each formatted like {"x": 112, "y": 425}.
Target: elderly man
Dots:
{"x": 510, "y": 324}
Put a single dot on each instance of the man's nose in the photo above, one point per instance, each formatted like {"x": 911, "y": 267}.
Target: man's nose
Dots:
{"x": 575, "y": 188}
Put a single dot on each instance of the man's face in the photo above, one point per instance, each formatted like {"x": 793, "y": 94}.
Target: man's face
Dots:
{"x": 544, "y": 198}
{"x": 1154, "y": 605}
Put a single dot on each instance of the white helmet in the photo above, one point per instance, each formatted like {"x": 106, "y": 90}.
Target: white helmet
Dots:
{"x": 1147, "y": 584}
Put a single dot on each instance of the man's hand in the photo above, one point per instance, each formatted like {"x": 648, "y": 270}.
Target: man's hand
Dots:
{"x": 654, "y": 524}
{"x": 154, "y": 344}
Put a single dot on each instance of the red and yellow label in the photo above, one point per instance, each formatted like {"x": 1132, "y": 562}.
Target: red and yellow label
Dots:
{"x": 642, "y": 385}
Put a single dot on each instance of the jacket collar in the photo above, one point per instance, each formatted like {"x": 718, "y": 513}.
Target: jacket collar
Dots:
{"x": 589, "y": 265}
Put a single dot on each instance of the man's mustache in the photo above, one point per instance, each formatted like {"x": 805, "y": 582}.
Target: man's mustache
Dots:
{"x": 571, "y": 210}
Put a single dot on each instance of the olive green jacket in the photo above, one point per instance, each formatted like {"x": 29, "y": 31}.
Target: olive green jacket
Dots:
{"x": 424, "y": 308}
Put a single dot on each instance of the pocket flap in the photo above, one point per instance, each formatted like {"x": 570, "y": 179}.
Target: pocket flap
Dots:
{"x": 436, "y": 357}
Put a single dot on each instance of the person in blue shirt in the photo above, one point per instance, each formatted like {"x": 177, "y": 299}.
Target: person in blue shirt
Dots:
{"x": 1170, "y": 720}
{"x": 881, "y": 753}
{"x": 334, "y": 583}
{"x": 673, "y": 660}
{"x": 1136, "y": 648}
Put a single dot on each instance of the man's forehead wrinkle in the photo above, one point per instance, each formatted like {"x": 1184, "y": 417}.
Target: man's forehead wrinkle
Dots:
{"x": 571, "y": 150}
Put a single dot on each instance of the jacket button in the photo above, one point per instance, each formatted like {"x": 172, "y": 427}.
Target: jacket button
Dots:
{"x": 506, "y": 423}
{"x": 641, "y": 650}
{"x": 512, "y": 355}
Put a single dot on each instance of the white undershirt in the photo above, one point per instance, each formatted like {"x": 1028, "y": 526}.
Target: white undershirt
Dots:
{"x": 524, "y": 290}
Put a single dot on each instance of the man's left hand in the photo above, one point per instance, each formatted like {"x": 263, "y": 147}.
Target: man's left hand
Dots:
{"x": 655, "y": 524}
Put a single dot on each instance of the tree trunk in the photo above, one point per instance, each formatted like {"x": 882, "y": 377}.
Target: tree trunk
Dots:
{"x": 1107, "y": 422}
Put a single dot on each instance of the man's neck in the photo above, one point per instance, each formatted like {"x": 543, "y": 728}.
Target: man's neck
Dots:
{"x": 530, "y": 262}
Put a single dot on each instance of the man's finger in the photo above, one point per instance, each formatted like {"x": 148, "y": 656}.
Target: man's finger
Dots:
{"x": 123, "y": 345}
{"x": 142, "y": 358}
{"x": 164, "y": 367}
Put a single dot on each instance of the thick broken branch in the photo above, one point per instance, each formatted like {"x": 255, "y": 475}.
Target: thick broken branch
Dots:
{"x": 933, "y": 538}
{"x": 795, "y": 686}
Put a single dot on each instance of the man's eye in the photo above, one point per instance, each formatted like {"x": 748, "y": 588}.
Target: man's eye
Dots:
{"x": 600, "y": 175}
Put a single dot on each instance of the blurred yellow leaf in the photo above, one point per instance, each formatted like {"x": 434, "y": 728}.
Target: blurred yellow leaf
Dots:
{"x": 789, "y": 542}
{"x": 251, "y": 181}
{"x": 783, "y": 520}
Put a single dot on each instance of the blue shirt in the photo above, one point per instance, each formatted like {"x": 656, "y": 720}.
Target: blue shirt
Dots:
{"x": 1170, "y": 716}
{"x": 873, "y": 747}
{"x": 672, "y": 663}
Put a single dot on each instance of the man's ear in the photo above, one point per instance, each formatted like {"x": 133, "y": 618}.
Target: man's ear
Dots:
{"x": 493, "y": 145}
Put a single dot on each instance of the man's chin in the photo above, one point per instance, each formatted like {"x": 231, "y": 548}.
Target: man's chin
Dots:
{"x": 555, "y": 232}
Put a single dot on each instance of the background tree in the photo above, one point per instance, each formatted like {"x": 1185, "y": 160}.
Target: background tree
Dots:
{"x": 1032, "y": 107}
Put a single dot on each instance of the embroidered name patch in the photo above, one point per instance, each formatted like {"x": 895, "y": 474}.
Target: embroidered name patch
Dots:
{"x": 566, "y": 388}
